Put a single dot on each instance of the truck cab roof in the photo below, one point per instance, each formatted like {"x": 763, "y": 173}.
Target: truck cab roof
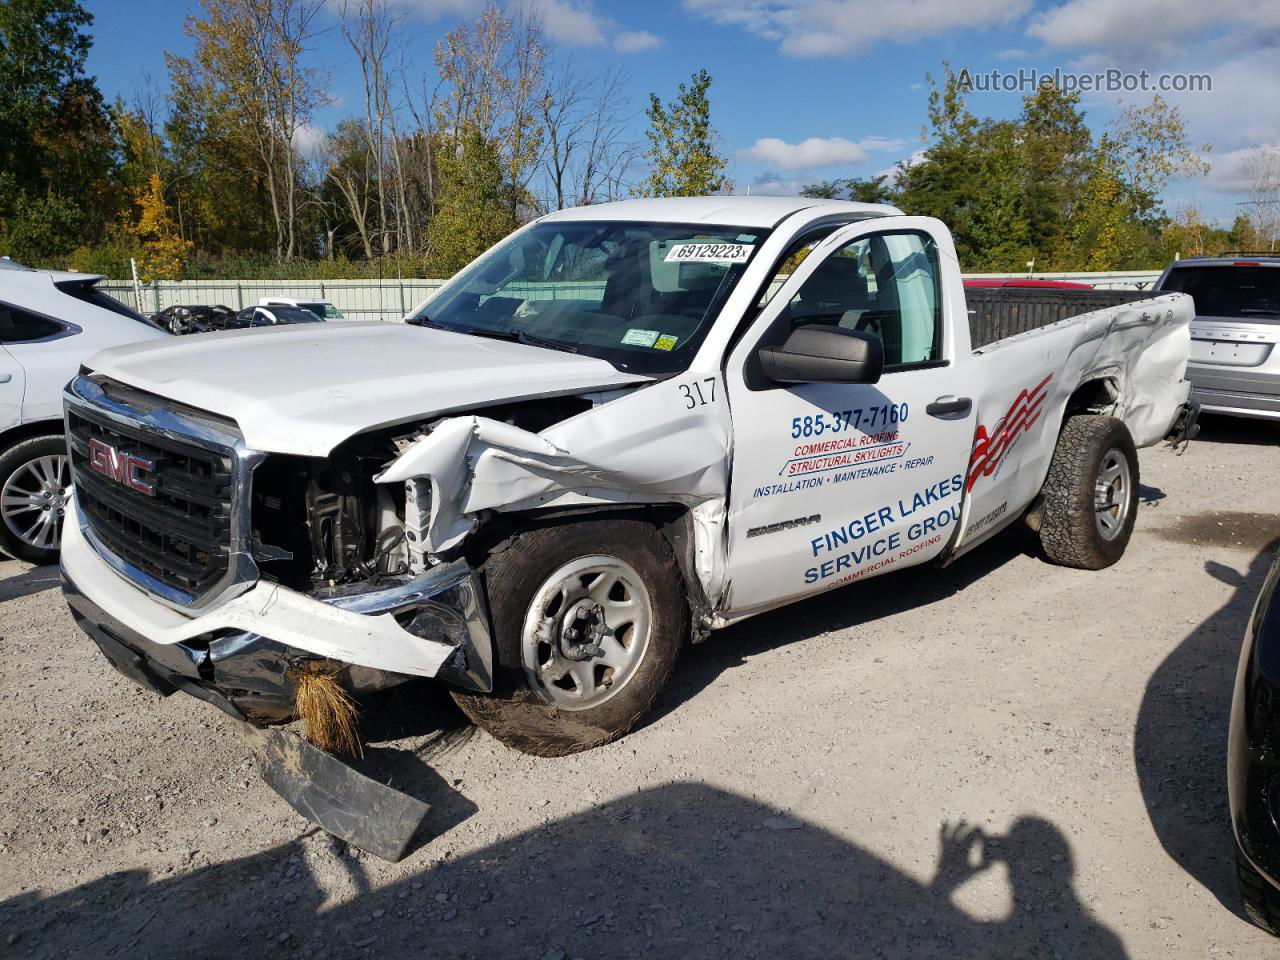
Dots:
{"x": 759, "y": 212}
{"x": 1230, "y": 260}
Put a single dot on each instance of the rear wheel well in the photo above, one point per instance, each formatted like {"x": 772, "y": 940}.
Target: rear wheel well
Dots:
{"x": 1093, "y": 396}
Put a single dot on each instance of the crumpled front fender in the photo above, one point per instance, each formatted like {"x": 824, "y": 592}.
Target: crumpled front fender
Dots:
{"x": 666, "y": 443}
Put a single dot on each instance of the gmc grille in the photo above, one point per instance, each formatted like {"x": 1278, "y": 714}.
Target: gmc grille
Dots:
{"x": 180, "y": 534}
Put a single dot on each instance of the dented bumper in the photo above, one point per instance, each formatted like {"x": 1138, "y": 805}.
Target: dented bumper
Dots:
{"x": 241, "y": 654}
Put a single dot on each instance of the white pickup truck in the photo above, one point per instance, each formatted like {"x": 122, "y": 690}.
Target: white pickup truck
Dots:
{"x": 621, "y": 428}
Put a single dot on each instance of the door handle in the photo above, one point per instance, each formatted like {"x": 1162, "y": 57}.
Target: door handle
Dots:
{"x": 949, "y": 406}
{"x": 5, "y": 377}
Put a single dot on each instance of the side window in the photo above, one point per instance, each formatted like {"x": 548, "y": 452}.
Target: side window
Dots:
{"x": 19, "y": 326}
{"x": 886, "y": 284}
{"x": 791, "y": 261}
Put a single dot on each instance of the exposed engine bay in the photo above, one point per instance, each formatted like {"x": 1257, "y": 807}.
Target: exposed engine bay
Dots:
{"x": 323, "y": 523}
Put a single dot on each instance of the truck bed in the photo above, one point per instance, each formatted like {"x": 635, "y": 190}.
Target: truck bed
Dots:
{"x": 999, "y": 312}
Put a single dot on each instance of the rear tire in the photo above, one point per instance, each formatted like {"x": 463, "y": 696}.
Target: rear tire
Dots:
{"x": 609, "y": 583}
{"x": 35, "y": 485}
{"x": 1091, "y": 494}
{"x": 1261, "y": 904}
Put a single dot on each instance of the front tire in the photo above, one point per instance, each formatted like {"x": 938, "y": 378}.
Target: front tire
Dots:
{"x": 588, "y": 621}
{"x": 1261, "y": 904}
{"x": 35, "y": 487}
{"x": 1091, "y": 494}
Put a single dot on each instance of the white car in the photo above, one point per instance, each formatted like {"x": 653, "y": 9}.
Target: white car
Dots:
{"x": 623, "y": 427}
{"x": 49, "y": 323}
{"x": 323, "y": 309}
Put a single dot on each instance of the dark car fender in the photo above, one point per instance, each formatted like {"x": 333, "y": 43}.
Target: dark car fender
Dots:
{"x": 1253, "y": 753}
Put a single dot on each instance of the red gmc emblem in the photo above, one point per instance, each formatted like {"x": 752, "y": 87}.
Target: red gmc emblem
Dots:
{"x": 124, "y": 468}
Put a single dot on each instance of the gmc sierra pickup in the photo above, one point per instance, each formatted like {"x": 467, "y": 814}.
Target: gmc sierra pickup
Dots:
{"x": 622, "y": 427}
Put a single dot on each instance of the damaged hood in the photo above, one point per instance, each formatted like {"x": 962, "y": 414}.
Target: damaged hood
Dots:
{"x": 304, "y": 389}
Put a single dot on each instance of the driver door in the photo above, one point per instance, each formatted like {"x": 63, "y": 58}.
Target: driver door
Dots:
{"x": 835, "y": 481}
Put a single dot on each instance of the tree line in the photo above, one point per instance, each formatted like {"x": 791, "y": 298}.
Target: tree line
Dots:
{"x": 1042, "y": 189}
{"x": 223, "y": 170}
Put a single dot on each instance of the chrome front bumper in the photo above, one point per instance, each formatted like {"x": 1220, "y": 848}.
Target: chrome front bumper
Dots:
{"x": 240, "y": 654}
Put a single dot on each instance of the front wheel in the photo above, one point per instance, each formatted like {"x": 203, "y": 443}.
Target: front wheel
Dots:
{"x": 35, "y": 486}
{"x": 1091, "y": 494}
{"x": 588, "y": 620}
{"x": 1261, "y": 904}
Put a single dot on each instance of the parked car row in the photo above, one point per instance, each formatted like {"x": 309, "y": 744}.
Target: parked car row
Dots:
{"x": 268, "y": 312}
{"x": 1235, "y": 338}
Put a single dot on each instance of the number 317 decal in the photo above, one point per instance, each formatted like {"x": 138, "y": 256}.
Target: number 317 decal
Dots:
{"x": 699, "y": 393}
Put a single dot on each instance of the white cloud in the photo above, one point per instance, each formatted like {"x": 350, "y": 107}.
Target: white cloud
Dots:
{"x": 890, "y": 173}
{"x": 1011, "y": 54}
{"x": 308, "y": 138}
{"x": 1239, "y": 111}
{"x": 635, "y": 41}
{"x": 814, "y": 152}
{"x": 571, "y": 23}
{"x": 431, "y": 9}
{"x": 882, "y": 144}
{"x": 1106, "y": 25}
{"x": 1236, "y": 170}
{"x": 774, "y": 185}
{"x": 1152, "y": 29}
{"x": 819, "y": 28}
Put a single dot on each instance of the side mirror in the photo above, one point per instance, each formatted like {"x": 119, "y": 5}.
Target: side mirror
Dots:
{"x": 824, "y": 354}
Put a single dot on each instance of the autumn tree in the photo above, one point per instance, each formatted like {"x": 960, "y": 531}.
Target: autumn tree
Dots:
{"x": 971, "y": 176}
{"x": 163, "y": 251}
{"x": 1105, "y": 231}
{"x": 490, "y": 133}
{"x": 351, "y": 177}
{"x": 476, "y": 207}
{"x": 248, "y": 84}
{"x": 682, "y": 156}
{"x": 1151, "y": 148}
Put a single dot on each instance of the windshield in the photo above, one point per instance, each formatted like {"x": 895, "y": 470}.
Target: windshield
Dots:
{"x": 1251, "y": 293}
{"x": 291, "y": 315}
{"x": 640, "y": 295}
{"x": 322, "y": 309}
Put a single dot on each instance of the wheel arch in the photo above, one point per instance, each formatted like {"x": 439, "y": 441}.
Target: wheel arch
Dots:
{"x": 27, "y": 431}
{"x": 675, "y": 521}
{"x": 1098, "y": 395}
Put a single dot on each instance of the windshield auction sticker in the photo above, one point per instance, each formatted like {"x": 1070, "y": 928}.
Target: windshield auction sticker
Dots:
{"x": 640, "y": 338}
{"x": 709, "y": 253}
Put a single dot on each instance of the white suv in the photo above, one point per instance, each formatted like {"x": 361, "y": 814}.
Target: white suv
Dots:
{"x": 50, "y": 323}
{"x": 324, "y": 309}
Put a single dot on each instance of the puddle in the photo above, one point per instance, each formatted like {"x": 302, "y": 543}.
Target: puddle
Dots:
{"x": 1240, "y": 531}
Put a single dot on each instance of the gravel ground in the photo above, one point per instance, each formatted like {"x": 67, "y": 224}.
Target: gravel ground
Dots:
{"x": 1000, "y": 759}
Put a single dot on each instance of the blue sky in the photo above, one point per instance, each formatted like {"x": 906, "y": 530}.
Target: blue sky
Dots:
{"x": 806, "y": 90}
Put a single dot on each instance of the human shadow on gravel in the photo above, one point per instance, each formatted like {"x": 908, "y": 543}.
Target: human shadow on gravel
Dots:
{"x": 681, "y": 871}
{"x": 1180, "y": 740}
{"x": 839, "y": 609}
